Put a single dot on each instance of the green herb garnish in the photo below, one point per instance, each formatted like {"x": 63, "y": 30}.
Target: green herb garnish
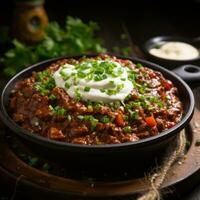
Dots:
{"x": 44, "y": 82}
{"x": 139, "y": 65}
{"x": 77, "y": 94}
{"x": 93, "y": 121}
{"x": 87, "y": 89}
{"x": 57, "y": 110}
{"x": 77, "y": 37}
{"x": 133, "y": 115}
{"x": 67, "y": 85}
{"x": 127, "y": 129}
{"x": 52, "y": 97}
{"x": 105, "y": 119}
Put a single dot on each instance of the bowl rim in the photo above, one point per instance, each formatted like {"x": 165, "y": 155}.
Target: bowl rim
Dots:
{"x": 59, "y": 144}
{"x": 167, "y": 38}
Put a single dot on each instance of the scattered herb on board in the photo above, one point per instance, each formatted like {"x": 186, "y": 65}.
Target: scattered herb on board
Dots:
{"x": 77, "y": 37}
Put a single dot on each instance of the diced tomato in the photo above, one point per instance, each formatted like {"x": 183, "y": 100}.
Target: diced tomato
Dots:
{"x": 167, "y": 85}
{"x": 151, "y": 121}
{"x": 152, "y": 75}
{"x": 119, "y": 119}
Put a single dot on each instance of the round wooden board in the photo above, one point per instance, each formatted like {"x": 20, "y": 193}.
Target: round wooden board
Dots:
{"x": 37, "y": 183}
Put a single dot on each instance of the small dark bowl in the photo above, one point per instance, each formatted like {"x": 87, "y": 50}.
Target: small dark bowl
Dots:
{"x": 169, "y": 63}
{"x": 100, "y": 157}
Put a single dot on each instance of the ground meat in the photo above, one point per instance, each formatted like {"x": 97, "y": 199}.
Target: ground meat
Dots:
{"x": 152, "y": 107}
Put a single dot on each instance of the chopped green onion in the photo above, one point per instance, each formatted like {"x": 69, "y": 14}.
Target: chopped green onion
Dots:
{"x": 90, "y": 107}
{"x": 133, "y": 115}
{"x": 89, "y": 118}
{"x": 78, "y": 94}
{"x": 52, "y": 97}
{"x": 127, "y": 129}
{"x": 139, "y": 65}
{"x": 102, "y": 90}
{"x": 81, "y": 117}
{"x": 67, "y": 85}
{"x": 105, "y": 119}
{"x": 58, "y": 110}
{"x": 87, "y": 89}
{"x": 111, "y": 92}
{"x": 44, "y": 82}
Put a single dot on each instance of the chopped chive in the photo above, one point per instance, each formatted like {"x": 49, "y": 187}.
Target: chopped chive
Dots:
{"x": 120, "y": 87}
{"x": 133, "y": 115}
{"x": 44, "y": 82}
{"x": 69, "y": 118}
{"x": 128, "y": 97}
{"x": 81, "y": 117}
{"x": 139, "y": 65}
{"x": 127, "y": 129}
{"x": 52, "y": 97}
{"x": 58, "y": 110}
{"x": 111, "y": 92}
{"x": 89, "y": 118}
{"x": 126, "y": 118}
{"x": 78, "y": 94}
{"x": 81, "y": 74}
{"x": 111, "y": 83}
{"x": 90, "y": 107}
{"x": 67, "y": 85}
{"x": 51, "y": 107}
{"x": 102, "y": 90}
{"x": 87, "y": 89}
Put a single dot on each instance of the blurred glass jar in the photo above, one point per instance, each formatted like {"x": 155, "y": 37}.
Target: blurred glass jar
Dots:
{"x": 30, "y": 19}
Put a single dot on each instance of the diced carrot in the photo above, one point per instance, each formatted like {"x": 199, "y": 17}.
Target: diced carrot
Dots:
{"x": 119, "y": 119}
{"x": 56, "y": 134}
{"x": 151, "y": 121}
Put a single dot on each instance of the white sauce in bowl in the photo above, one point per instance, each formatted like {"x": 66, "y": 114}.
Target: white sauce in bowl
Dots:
{"x": 76, "y": 81}
{"x": 175, "y": 51}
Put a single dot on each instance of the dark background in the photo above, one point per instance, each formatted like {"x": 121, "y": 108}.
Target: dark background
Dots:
{"x": 144, "y": 18}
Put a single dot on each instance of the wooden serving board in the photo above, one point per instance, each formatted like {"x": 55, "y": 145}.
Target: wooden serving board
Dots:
{"x": 37, "y": 183}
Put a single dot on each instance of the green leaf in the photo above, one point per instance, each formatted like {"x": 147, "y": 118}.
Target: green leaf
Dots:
{"x": 76, "y": 38}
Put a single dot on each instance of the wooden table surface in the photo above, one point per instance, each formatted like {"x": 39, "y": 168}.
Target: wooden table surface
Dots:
{"x": 139, "y": 21}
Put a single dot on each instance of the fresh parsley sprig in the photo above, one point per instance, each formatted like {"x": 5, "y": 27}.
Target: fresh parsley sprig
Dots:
{"x": 75, "y": 38}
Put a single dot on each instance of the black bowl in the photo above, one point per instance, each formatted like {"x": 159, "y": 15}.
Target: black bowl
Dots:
{"x": 99, "y": 156}
{"x": 169, "y": 63}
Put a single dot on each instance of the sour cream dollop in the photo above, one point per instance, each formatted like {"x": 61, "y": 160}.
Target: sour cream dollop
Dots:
{"x": 96, "y": 80}
{"x": 175, "y": 51}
